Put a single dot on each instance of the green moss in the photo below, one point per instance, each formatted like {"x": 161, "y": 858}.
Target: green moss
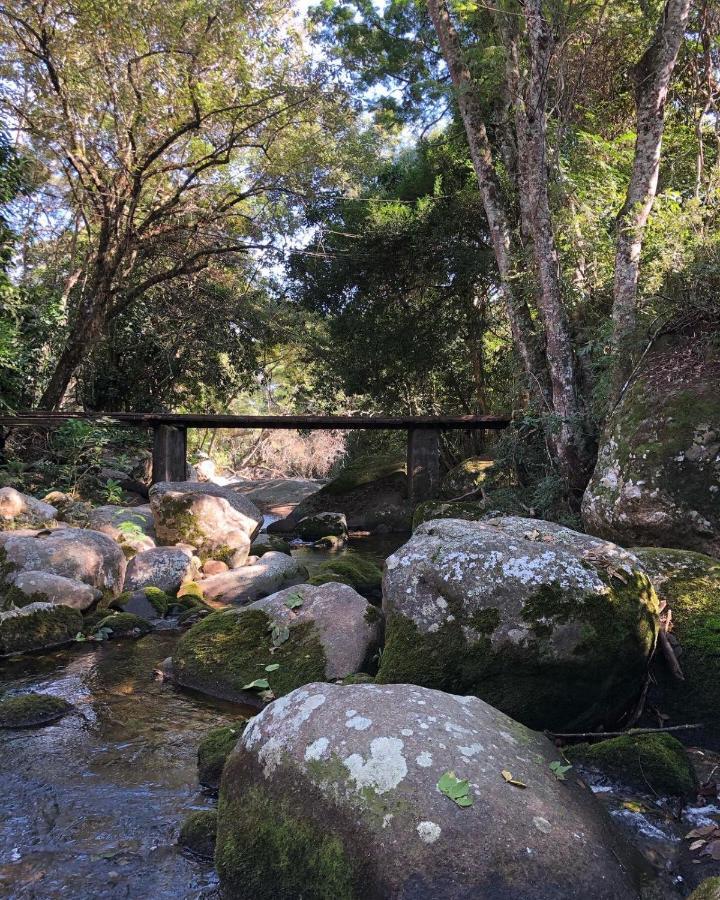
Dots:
{"x": 198, "y": 831}
{"x": 13, "y": 596}
{"x": 159, "y": 599}
{"x": 690, "y": 583}
{"x": 707, "y": 890}
{"x": 91, "y": 620}
{"x": 655, "y": 762}
{"x": 269, "y": 542}
{"x": 190, "y": 589}
{"x": 7, "y": 569}
{"x": 124, "y": 625}
{"x": 364, "y": 471}
{"x": 359, "y": 678}
{"x": 32, "y": 709}
{"x": 222, "y": 553}
{"x": 373, "y": 615}
{"x": 265, "y": 852}
{"x": 529, "y": 682}
{"x": 231, "y": 648}
{"x": 351, "y": 568}
{"x": 213, "y": 750}
{"x": 39, "y": 629}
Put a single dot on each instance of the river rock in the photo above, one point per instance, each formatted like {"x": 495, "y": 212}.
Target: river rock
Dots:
{"x": 215, "y": 520}
{"x": 130, "y": 526}
{"x": 162, "y": 567}
{"x": 372, "y": 494}
{"x": 310, "y": 528}
{"x": 552, "y": 626}
{"x": 265, "y": 543}
{"x": 44, "y": 587}
{"x": 272, "y": 572}
{"x": 297, "y": 635}
{"x": 38, "y": 626}
{"x": 76, "y": 553}
{"x": 690, "y": 584}
{"x": 334, "y": 791}
{"x": 17, "y": 507}
{"x": 657, "y": 477}
{"x": 30, "y": 710}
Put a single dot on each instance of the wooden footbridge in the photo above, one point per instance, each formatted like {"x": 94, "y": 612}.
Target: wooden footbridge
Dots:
{"x": 170, "y": 435}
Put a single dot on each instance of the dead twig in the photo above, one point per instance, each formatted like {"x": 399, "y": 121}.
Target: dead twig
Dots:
{"x": 665, "y": 645}
{"x": 631, "y": 732}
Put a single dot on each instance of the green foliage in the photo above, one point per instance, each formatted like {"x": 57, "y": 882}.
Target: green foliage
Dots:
{"x": 213, "y": 750}
{"x": 457, "y": 790}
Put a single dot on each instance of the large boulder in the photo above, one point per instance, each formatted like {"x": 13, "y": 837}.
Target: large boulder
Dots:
{"x": 333, "y": 791}
{"x": 215, "y": 520}
{"x": 552, "y": 626}
{"x": 297, "y": 635}
{"x": 657, "y": 477}
{"x": 131, "y": 526}
{"x": 44, "y": 587}
{"x": 321, "y": 525}
{"x": 690, "y": 585}
{"x": 38, "y": 626}
{"x": 16, "y": 507}
{"x": 162, "y": 567}
{"x": 272, "y": 572}
{"x": 372, "y": 493}
{"x": 76, "y": 553}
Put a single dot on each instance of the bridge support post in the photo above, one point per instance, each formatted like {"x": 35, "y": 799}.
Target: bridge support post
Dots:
{"x": 423, "y": 463}
{"x": 169, "y": 462}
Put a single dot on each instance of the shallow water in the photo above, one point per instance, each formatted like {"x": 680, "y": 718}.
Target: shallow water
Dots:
{"x": 376, "y": 547}
{"x": 91, "y": 806}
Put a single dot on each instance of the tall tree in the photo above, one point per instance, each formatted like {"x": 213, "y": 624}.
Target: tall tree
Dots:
{"x": 173, "y": 131}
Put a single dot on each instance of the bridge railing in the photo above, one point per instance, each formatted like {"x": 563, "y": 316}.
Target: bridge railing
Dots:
{"x": 170, "y": 435}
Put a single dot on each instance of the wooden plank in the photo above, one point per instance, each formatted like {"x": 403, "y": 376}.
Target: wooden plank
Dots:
{"x": 169, "y": 462}
{"x": 192, "y": 420}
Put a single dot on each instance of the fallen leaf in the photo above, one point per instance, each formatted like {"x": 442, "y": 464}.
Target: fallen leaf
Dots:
{"x": 696, "y": 845}
{"x": 456, "y": 789}
{"x": 273, "y": 667}
{"x": 279, "y": 634}
{"x": 259, "y": 684}
{"x": 294, "y": 601}
{"x": 510, "y": 780}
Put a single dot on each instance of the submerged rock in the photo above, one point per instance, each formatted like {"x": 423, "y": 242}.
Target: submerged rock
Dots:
{"x": 272, "y": 572}
{"x": 690, "y": 584}
{"x": 162, "y": 567}
{"x": 32, "y": 709}
{"x": 44, "y": 587}
{"x": 124, "y": 625}
{"x": 16, "y": 507}
{"x": 38, "y": 626}
{"x": 552, "y": 626}
{"x": 655, "y": 762}
{"x": 266, "y": 543}
{"x": 213, "y": 752}
{"x": 215, "y": 520}
{"x": 75, "y": 553}
{"x": 322, "y": 524}
{"x": 334, "y": 791}
{"x": 657, "y": 478}
{"x": 198, "y": 831}
{"x": 295, "y": 636}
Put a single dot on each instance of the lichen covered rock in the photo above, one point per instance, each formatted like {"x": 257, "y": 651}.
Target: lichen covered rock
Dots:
{"x": 17, "y": 508}
{"x": 44, "y": 587}
{"x": 197, "y": 833}
{"x": 657, "y": 763}
{"x": 131, "y": 526}
{"x": 213, "y": 752}
{"x": 272, "y": 572}
{"x": 332, "y": 792}
{"x": 295, "y": 636}
{"x": 690, "y": 584}
{"x": 215, "y": 520}
{"x": 551, "y": 626}
{"x": 38, "y": 626}
{"x": 657, "y": 478}
{"x": 28, "y": 710}
{"x": 75, "y": 553}
{"x": 162, "y": 567}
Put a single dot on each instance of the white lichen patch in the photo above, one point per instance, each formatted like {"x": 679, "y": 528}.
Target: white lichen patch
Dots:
{"x": 317, "y": 750}
{"x": 384, "y": 769}
{"x": 429, "y": 832}
{"x": 471, "y": 750}
{"x": 424, "y": 760}
{"x": 359, "y": 723}
{"x": 542, "y": 824}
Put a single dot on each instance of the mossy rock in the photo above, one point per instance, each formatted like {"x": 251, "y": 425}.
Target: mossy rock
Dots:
{"x": 193, "y": 614}
{"x": 353, "y": 569}
{"x": 267, "y": 543}
{"x": 92, "y": 619}
{"x": 364, "y": 471}
{"x": 231, "y": 648}
{"x": 439, "y": 509}
{"x": 158, "y": 599}
{"x": 125, "y": 625}
{"x": 32, "y": 709}
{"x": 649, "y": 762}
{"x": 38, "y": 626}
{"x": 190, "y": 589}
{"x": 258, "y": 836}
{"x": 707, "y": 890}
{"x": 465, "y": 477}
{"x": 690, "y": 583}
{"x": 198, "y": 831}
{"x": 213, "y": 750}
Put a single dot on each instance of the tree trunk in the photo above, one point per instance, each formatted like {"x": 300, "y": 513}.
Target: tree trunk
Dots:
{"x": 517, "y": 311}
{"x": 652, "y": 79}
